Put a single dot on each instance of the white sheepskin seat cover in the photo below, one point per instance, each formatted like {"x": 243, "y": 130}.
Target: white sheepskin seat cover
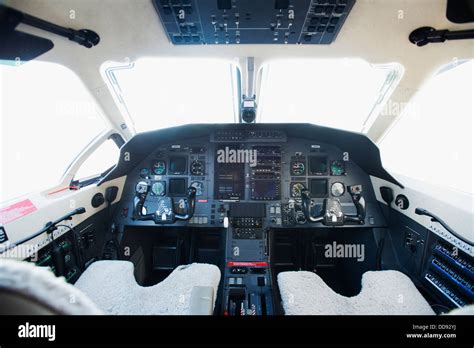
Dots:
{"x": 113, "y": 288}
{"x": 383, "y": 293}
{"x": 42, "y": 286}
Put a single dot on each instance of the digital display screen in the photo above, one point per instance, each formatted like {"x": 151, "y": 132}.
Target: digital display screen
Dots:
{"x": 229, "y": 180}
{"x": 177, "y": 186}
{"x": 177, "y": 165}
{"x": 265, "y": 190}
{"x": 241, "y": 209}
{"x": 318, "y": 165}
{"x": 319, "y": 188}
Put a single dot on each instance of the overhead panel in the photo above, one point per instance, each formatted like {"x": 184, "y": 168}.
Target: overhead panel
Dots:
{"x": 231, "y": 22}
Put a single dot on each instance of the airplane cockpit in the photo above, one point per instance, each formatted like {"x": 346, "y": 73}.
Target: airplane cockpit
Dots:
{"x": 236, "y": 158}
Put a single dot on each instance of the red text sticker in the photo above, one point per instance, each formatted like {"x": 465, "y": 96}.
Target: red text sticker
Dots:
{"x": 16, "y": 211}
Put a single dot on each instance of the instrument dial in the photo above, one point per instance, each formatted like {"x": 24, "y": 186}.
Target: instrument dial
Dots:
{"x": 159, "y": 167}
{"x": 199, "y": 186}
{"x": 144, "y": 173}
{"x": 337, "y": 168}
{"x": 337, "y": 189}
{"x": 158, "y": 188}
{"x": 298, "y": 168}
{"x": 296, "y": 189}
{"x": 141, "y": 187}
{"x": 197, "y": 168}
{"x": 300, "y": 218}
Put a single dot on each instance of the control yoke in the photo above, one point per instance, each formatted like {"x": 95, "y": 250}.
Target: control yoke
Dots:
{"x": 331, "y": 213}
{"x": 165, "y": 213}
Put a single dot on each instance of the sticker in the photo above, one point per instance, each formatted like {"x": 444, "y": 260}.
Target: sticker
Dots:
{"x": 247, "y": 264}
{"x": 16, "y": 211}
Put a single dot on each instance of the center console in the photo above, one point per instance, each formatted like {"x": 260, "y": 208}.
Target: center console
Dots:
{"x": 247, "y": 277}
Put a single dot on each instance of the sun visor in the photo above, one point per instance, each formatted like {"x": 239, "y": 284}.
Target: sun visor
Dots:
{"x": 460, "y": 11}
{"x": 17, "y": 47}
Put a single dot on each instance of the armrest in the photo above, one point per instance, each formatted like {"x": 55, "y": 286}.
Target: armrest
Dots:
{"x": 201, "y": 301}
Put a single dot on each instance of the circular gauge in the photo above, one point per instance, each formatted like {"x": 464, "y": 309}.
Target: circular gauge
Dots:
{"x": 199, "y": 186}
{"x": 402, "y": 202}
{"x": 298, "y": 168}
{"x": 141, "y": 187}
{"x": 144, "y": 173}
{"x": 159, "y": 167}
{"x": 296, "y": 189}
{"x": 337, "y": 168}
{"x": 158, "y": 188}
{"x": 197, "y": 168}
{"x": 300, "y": 218}
{"x": 337, "y": 189}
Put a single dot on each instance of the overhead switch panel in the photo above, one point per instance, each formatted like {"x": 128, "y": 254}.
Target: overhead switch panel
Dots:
{"x": 226, "y": 22}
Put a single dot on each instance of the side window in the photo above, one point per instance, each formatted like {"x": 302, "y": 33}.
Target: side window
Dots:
{"x": 433, "y": 139}
{"x": 102, "y": 159}
{"x": 47, "y": 117}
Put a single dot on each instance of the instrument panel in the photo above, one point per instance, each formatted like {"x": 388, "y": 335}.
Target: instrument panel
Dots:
{"x": 255, "y": 173}
{"x": 257, "y": 166}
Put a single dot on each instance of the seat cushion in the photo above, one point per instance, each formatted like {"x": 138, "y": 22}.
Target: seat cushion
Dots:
{"x": 466, "y": 310}
{"x": 383, "y": 293}
{"x": 113, "y": 288}
{"x": 28, "y": 289}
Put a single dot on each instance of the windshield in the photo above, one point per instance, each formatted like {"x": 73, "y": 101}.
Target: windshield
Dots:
{"x": 160, "y": 93}
{"x": 341, "y": 93}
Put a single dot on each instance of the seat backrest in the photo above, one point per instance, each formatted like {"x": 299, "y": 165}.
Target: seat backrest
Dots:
{"x": 26, "y": 289}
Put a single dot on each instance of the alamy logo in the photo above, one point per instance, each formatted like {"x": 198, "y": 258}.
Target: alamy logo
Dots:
{"x": 335, "y": 250}
{"x": 22, "y": 251}
{"x": 228, "y": 155}
{"x": 37, "y": 331}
